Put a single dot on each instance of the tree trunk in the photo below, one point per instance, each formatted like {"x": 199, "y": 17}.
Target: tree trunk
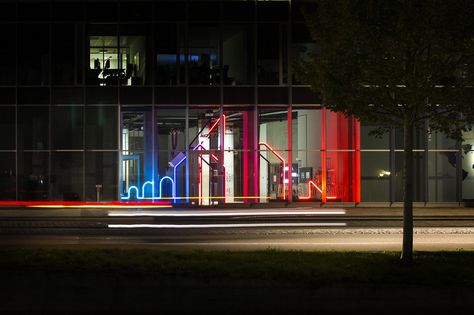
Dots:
{"x": 407, "y": 249}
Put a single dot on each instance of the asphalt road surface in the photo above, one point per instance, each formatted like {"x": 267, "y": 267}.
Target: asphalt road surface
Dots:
{"x": 306, "y": 228}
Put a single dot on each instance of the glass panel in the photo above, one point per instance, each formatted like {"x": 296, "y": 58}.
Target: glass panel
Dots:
{"x": 442, "y": 176}
{"x": 171, "y": 149}
{"x": 341, "y": 175}
{"x": 135, "y": 58}
{"x": 418, "y": 139}
{"x": 101, "y": 176}
{"x": 102, "y": 11}
{"x": 8, "y": 11}
{"x": 205, "y": 174}
{"x": 237, "y": 42}
{"x": 467, "y": 152}
{"x": 204, "y": 11}
{"x": 170, "y": 11}
{"x": 238, "y": 10}
{"x": 33, "y": 54}
{"x": 33, "y": 96}
{"x": 66, "y": 176}
{"x": 240, "y": 156}
{"x": 204, "y": 64}
{"x": 136, "y": 11}
{"x": 272, "y": 10}
{"x": 7, "y": 96}
{"x": 273, "y": 144}
{"x": 101, "y": 127}
{"x": 302, "y": 46}
{"x": 68, "y": 96}
{"x": 66, "y": 48}
{"x": 33, "y": 179}
{"x": 33, "y": 128}
{"x": 167, "y": 55}
{"x": 438, "y": 140}
{"x": 68, "y": 11}
{"x": 8, "y": 55}
{"x": 268, "y": 50}
{"x": 104, "y": 64}
{"x": 30, "y": 11}
{"x": 7, "y": 128}
{"x": 7, "y": 176}
{"x": 372, "y": 142}
{"x": 375, "y": 176}
{"x": 67, "y": 127}
{"x": 306, "y": 140}
{"x": 419, "y": 176}
{"x": 137, "y": 156}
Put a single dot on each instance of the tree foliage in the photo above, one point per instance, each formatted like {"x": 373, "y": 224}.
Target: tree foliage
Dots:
{"x": 382, "y": 61}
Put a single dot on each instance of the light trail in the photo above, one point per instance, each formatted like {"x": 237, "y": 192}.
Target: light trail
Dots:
{"x": 208, "y": 226}
{"x": 221, "y": 214}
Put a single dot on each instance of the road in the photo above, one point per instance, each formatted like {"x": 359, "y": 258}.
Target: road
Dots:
{"x": 308, "y": 228}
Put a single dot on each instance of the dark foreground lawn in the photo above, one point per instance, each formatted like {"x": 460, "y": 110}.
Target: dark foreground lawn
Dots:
{"x": 109, "y": 280}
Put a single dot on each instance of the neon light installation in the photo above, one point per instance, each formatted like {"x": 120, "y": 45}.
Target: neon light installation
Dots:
{"x": 311, "y": 183}
{"x": 282, "y": 161}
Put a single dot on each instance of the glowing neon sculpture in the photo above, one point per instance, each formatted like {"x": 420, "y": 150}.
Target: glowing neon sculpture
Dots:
{"x": 309, "y": 191}
{"x": 282, "y": 161}
{"x": 142, "y": 195}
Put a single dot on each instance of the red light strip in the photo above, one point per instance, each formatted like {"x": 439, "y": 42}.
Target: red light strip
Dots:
{"x": 309, "y": 191}
{"x": 282, "y": 160}
{"x": 83, "y": 203}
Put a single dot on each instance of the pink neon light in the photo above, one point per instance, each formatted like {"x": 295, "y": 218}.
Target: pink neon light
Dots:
{"x": 212, "y": 127}
{"x": 81, "y": 203}
{"x": 309, "y": 191}
{"x": 282, "y": 160}
{"x": 215, "y": 157}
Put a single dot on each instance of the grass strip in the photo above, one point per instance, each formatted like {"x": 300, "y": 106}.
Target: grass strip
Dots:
{"x": 429, "y": 268}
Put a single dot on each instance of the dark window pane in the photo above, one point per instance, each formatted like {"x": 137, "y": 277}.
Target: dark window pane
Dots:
{"x": 7, "y": 128}
{"x": 66, "y": 175}
{"x": 101, "y": 169}
{"x": 204, "y": 64}
{"x": 67, "y": 127}
{"x": 305, "y": 96}
{"x": 102, "y": 11}
{"x": 298, "y": 8}
{"x": 238, "y": 56}
{"x": 7, "y": 176}
{"x": 272, "y": 10}
{"x": 33, "y": 128}
{"x": 33, "y": 180}
{"x": 101, "y": 127}
{"x": 7, "y": 96}
{"x": 134, "y": 60}
{"x": 240, "y": 95}
{"x": 268, "y": 54}
{"x": 204, "y": 95}
{"x": 167, "y": 55}
{"x": 101, "y": 95}
{"x": 135, "y": 95}
{"x": 371, "y": 142}
{"x": 442, "y": 176}
{"x": 68, "y": 11}
{"x": 238, "y": 11}
{"x": 8, "y": 11}
{"x": 272, "y": 95}
{"x": 419, "y": 181}
{"x": 33, "y": 96}
{"x": 135, "y": 11}
{"x": 7, "y": 55}
{"x": 65, "y": 45}
{"x": 69, "y": 96}
{"x": 33, "y": 54}
{"x": 170, "y": 95}
{"x": 204, "y": 11}
{"x": 170, "y": 11}
{"x": 375, "y": 176}
{"x": 31, "y": 11}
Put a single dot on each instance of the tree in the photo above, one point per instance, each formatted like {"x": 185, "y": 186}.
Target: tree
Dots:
{"x": 395, "y": 63}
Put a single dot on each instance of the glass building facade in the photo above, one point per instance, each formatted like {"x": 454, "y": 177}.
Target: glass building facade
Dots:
{"x": 190, "y": 102}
